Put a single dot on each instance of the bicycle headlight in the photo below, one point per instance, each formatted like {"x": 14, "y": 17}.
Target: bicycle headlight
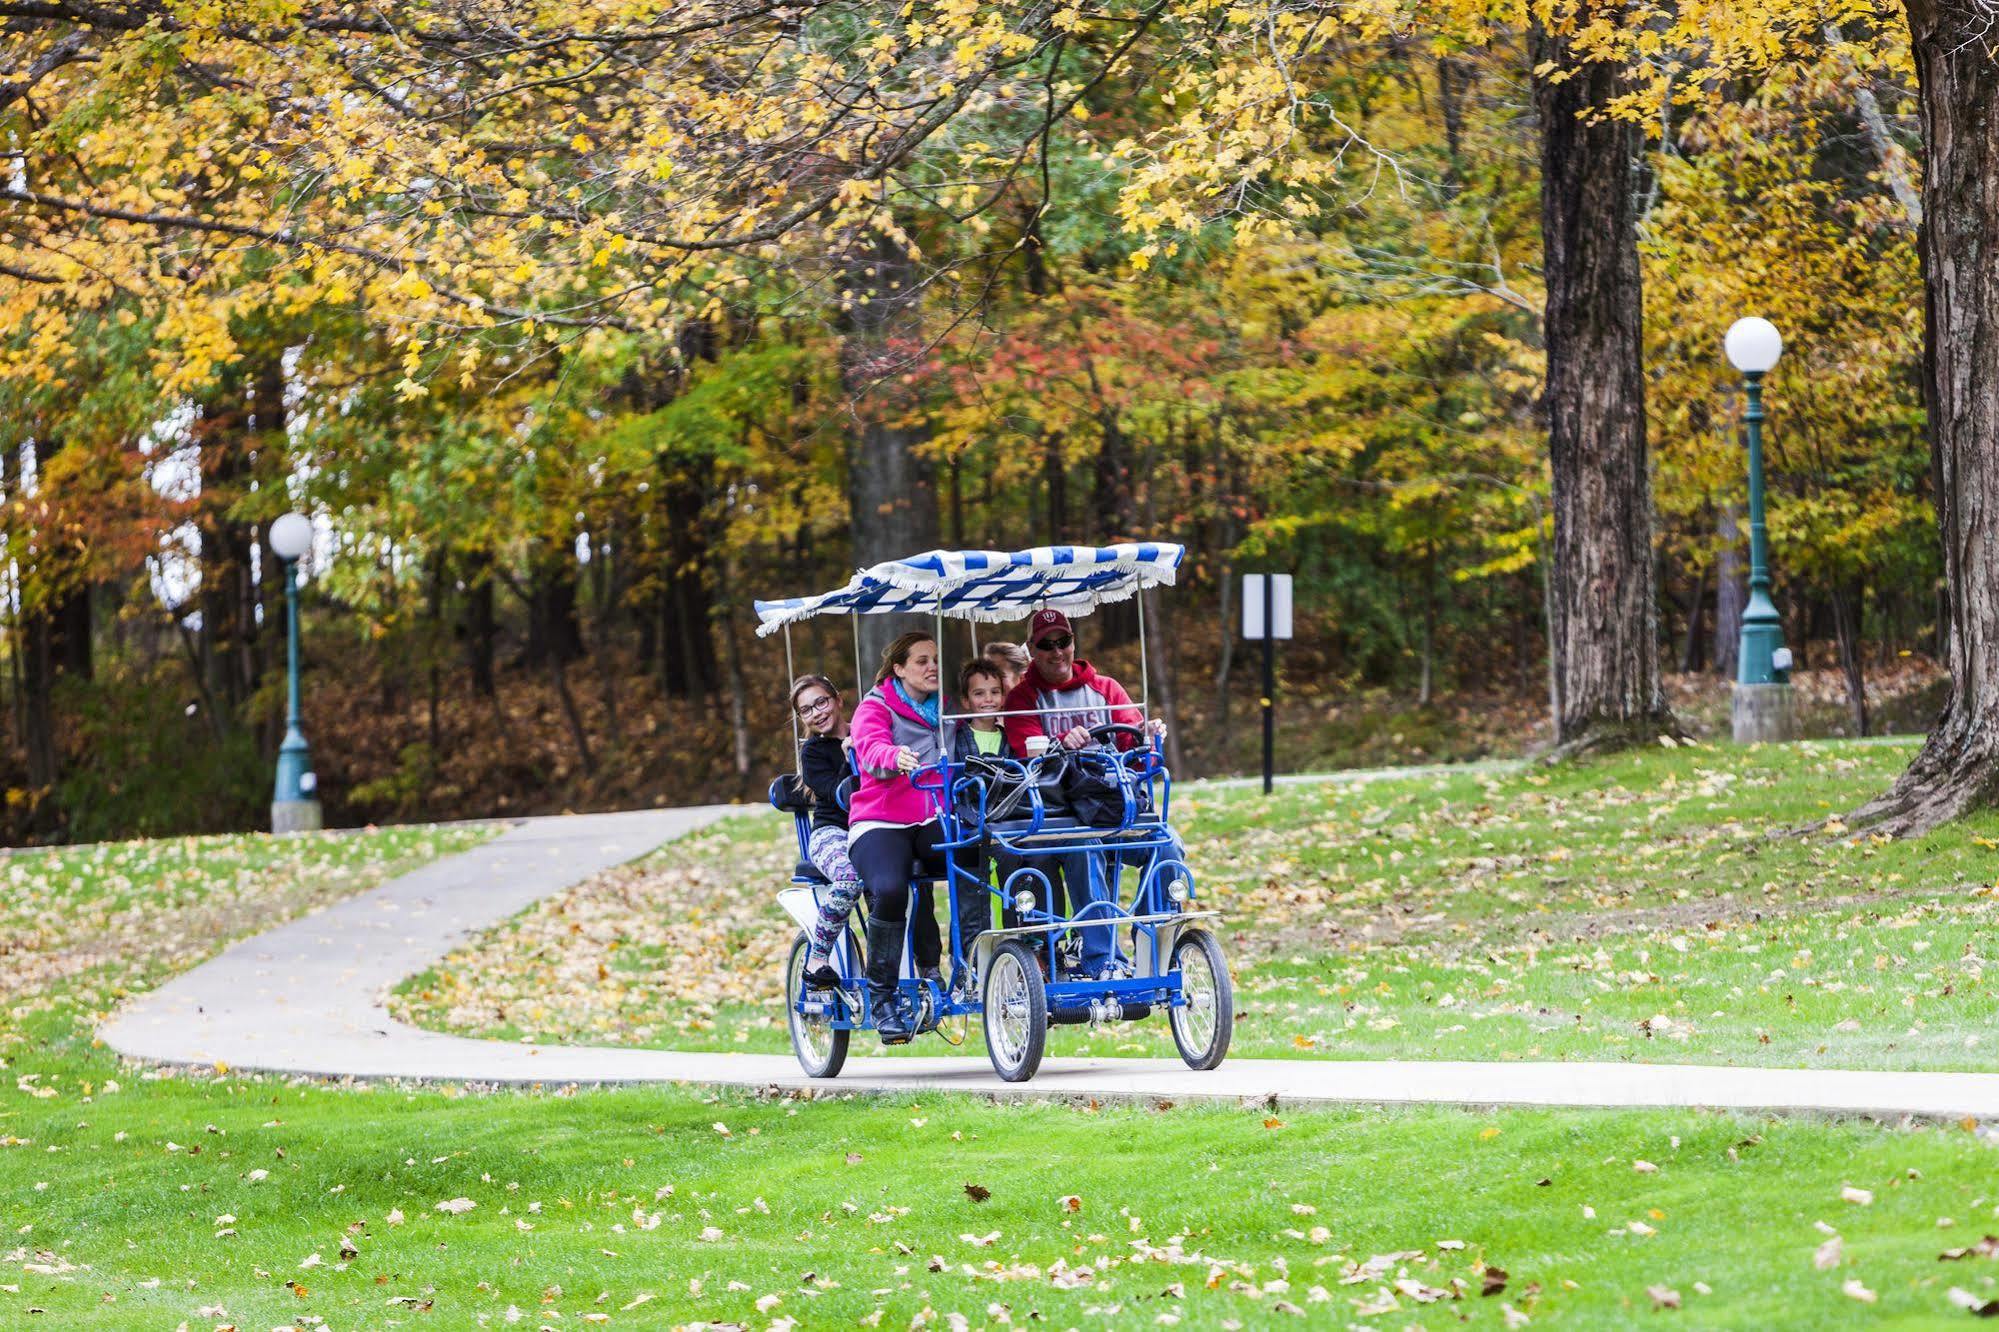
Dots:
{"x": 1024, "y": 899}
{"x": 1178, "y": 890}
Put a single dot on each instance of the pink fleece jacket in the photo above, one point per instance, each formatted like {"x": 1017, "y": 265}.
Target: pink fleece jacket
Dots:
{"x": 882, "y": 724}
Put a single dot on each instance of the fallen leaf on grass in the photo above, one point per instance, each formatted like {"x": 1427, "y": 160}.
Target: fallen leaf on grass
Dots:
{"x": 1853, "y": 1290}
{"x": 1663, "y": 1297}
{"x": 1827, "y": 1255}
{"x": 1862, "y": 1197}
{"x": 1977, "y": 1307}
{"x": 978, "y": 1193}
{"x": 1494, "y": 1279}
{"x": 456, "y": 1206}
{"x": 1988, "y": 1247}
{"x": 984, "y": 1241}
{"x": 1070, "y": 1202}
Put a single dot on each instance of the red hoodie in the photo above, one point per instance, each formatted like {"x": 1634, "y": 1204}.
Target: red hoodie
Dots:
{"x": 1084, "y": 699}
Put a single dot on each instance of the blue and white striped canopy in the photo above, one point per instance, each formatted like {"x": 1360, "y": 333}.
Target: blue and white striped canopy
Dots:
{"x": 989, "y": 585}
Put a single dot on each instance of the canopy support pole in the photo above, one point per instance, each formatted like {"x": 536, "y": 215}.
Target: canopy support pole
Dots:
{"x": 1144, "y": 657}
{"x": 860, "y": 681}
{"x": 797, "y": 741}
{"x": 939, "y": 633}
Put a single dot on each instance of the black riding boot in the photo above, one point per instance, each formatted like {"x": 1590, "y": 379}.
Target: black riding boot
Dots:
{"x": 884, "y": 965}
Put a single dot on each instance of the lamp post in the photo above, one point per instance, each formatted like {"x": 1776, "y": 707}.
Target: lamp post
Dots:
{"x": 1762, "y": 708}
{"x": 294, "y": 806}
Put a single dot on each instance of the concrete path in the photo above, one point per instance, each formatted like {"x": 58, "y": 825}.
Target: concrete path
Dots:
{"x": 307, "y": 997}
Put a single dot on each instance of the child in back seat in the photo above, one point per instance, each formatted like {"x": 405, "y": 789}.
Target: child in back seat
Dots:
{"x": 982, "y": 690}
{"x": 824, "y": 762}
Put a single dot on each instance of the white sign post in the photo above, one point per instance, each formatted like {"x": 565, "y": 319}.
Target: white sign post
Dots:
{"x": 1266, "y": 615}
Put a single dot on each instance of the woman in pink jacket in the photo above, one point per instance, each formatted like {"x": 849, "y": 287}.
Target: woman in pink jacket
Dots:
{"x": 891, "y": 823}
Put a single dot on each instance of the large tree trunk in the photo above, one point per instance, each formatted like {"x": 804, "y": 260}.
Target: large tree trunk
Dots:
{"x": 1958, "y": 767}
{"x": 891, "y": 493}
{"x": 1606, "y": 649}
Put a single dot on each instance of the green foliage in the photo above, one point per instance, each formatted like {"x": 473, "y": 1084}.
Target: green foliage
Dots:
{"x": 156, "y": 771}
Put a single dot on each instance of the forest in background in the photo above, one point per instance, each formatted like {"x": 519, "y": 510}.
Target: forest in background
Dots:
{"x": 541, "y": 529}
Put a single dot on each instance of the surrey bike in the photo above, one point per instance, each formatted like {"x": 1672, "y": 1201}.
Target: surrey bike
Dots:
{"x": 1100, "y": 813}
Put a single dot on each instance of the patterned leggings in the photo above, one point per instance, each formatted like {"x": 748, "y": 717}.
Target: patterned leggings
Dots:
{"x": 828, "y": 852}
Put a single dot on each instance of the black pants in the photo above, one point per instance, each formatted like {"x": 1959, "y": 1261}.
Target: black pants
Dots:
{"x": 883, "y": 857}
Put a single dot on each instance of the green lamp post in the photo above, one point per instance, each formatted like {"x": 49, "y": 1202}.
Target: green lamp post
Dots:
{"x": 1762, "y": 704}
{"x": 294, "y": 802}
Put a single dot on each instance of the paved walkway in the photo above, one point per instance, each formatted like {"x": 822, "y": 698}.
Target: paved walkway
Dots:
{"x": 308, "y": 997}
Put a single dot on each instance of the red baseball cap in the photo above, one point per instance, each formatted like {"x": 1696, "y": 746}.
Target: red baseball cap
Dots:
{"x": 1045, "y": 619}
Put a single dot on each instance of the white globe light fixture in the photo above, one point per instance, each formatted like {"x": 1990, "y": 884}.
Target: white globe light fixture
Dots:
{"x": 291, "y": 536}
{"x": 1753, "y": 345}
{"x": 294, "y": 802}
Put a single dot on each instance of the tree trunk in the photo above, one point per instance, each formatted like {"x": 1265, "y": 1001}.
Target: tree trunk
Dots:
{"x": 1424, "y": 685}
{"x": 1694, "y": 650}
{"x": 1847, "y": 602}
{"x": 1056, "y": 474}
{"x": 434, "y": 614}
{"x": 687, "y": 637}
{"x": 553, "y": 628}
{"x": 1729, "y": 594}
{"x": 38, "y": 737}
{"x": 1453, "y": 83}
{"x": 481, "y": 629}
{"x": 1957, "y": 769}
{"x": 891, "y": 493}
{"x": 1606, "y": 646}
{"x": 1116, "y": 518}
{"x": 739, "y": 712}
{"x": 559, "y": 673}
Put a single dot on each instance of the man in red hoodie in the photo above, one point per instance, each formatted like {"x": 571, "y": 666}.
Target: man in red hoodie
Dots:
{"x": 1062, "y": 698}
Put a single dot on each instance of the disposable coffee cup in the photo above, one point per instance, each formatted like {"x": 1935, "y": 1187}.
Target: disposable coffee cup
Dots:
{"x": 1037, "y": 745}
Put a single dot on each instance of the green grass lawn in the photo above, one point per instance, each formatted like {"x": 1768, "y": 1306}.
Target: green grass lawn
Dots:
{"x": 262, "y": 1203}
{"x": 133, "y": 1198}
{"x": 1638, "y": 908}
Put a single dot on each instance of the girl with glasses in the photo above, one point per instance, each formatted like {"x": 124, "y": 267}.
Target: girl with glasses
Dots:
{"x": 824, "y": 761}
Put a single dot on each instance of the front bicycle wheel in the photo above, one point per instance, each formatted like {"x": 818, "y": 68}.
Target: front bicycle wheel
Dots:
{"x": 1015, "y": 1012}
{"x": 1204, "y": 1022}
{"x": 820, "y": 1046}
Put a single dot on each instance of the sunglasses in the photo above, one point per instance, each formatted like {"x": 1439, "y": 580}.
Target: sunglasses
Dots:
{"x": 1055, "y": 644}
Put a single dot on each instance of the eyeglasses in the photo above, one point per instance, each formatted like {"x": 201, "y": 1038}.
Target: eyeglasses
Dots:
{"x": 810, "y": 710}
{"x": 1055, "y": 644}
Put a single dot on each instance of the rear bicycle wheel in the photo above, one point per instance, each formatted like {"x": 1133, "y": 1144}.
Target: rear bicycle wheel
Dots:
{"x": 1015, "y": 1012}
{"x": 820, "y": 1046}
{"x": 1205, "y": 1022}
